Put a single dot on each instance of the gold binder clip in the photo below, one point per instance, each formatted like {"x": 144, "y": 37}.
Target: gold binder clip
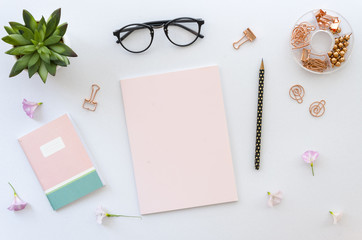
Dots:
{"x": 248, "y": 34}
{"x": 90, "y": 101}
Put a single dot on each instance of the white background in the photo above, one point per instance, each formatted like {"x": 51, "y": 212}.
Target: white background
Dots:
{"x": 288, "y": 128}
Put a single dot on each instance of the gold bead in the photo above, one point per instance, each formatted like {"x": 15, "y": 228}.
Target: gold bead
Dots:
{"x": 330, "y": 53}
{"x": 337, "y": 64}
{"x": 341, "y": 39}
{"x": 341, "y": 53}
{"x": 336, "y": 40}
{"x": 344, "y": 49}
{"x": 340, "y": 45}
{"x": 341, "y": 59}
{"x": 338, "y": 50}
{"x": 347, "y": 37}
{"x": 335, "y": 54}
{"x": 338, "y": 30}
{"x": 346, "y": 44}
{"x": 335, "y": 47}
{"x": 333, "y": 60}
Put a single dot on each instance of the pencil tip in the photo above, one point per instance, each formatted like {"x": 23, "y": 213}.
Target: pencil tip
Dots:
{"x": 262, "y": 64}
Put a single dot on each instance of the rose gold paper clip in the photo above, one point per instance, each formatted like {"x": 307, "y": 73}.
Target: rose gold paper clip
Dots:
{"x": 248, "y": 34}
{"x": 90, "y": 101}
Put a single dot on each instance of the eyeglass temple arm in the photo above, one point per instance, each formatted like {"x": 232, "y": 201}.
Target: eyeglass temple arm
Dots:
{"x": 130, "y": 30}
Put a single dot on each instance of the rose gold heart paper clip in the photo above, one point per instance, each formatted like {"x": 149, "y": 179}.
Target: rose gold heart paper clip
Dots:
{"x": 248, "y": 34}
{"x": 90, "y": 101}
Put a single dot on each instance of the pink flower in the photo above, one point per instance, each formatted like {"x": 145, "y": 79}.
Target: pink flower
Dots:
{"x": 29, "y": 107}
{"x": 100, "y": 214}
{"x": 275, "y": 199}
{"x": 17, "y": 204}
{"x": 310, "y": 157}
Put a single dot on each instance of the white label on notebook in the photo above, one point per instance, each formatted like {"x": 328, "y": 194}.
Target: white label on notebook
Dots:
{"x": 52, "y": 147}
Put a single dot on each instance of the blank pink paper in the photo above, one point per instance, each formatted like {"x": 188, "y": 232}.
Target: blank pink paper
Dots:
{"x": 179, "y": 140}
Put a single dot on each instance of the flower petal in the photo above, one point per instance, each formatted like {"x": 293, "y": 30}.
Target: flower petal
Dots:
{"x": 310, "y": 156}
{"x": 336, "y": 217}
{"x": 100, "y": 214}
{"x": 314, "y": 155}
{"x": 30, "y": 107}
{"x": 17, "y": 204}
{"x": 275, "y": 199}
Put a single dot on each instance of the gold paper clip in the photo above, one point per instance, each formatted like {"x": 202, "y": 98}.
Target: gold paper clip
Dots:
{"x": 248, "y": 34}
{"x": 305, "y": 55}
{"x": 90, "y": 101}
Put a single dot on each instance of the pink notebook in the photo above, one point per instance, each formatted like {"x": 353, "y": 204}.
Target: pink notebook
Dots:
{"x": 60, "y": 162}
{"x": 179, "y": 140}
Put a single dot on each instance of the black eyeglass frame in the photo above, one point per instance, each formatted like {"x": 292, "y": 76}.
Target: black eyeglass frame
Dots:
{"x": 159, "y": 24}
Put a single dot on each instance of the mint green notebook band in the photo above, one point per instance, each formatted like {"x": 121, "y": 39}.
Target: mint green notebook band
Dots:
{"x": 74, "y": 190}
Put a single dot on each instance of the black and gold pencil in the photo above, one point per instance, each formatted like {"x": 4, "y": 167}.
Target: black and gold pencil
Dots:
{"x": 259, "y": 117}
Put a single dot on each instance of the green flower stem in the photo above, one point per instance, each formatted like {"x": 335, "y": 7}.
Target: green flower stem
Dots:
{"x": 40, "y": 103}
{"x": 312, "y": 168}
{"x": 13, "y": 189}
{"x": 115, "y": 215}
{"x": 331, "y": 212}
{"x": 268, "y": 193}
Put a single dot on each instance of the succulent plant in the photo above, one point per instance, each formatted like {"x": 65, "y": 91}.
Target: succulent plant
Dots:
{"x": 38, "y": 45}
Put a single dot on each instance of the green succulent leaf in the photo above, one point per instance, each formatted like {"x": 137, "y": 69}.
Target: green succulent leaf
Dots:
{"x": 63, "y": 49}
{"x": 29, "y": 20}
{"x": 52, "y": 56}
{"x": 34, "y": 68}
{"x": 59, "y": 63}
{"x": 26, "y": 32}
{"x": 53, "y": 22}
{"x": 15, "y": 25}
{"x": 44, "y": 50}
{"x": 56, "y": 55}
{"x": 33, "y": 60}
{"x": 42, "y": 35}
{"x": 56, "y": 14}
{"x": 42, "y": 24}
{"x": 59, "y": 59}
{"x": 61, "y": 29}
{"x": 51, "y": 67}
{"x": 66, "y": 60}
{"x": 34, "y": 42}
{"x": 36, "y": 36}
{"x": 45, "y": 57}
{"x": 20, "y": 65}
{"x": 52, "y": 40}
{"x": 21, "y": 50}
{"x": 43, "y": 72}
{"x": 16, "y": 40}
{"x": 9, "y": 30}
{"x": 41, "y": 29}
{"x": 44, "y": 53}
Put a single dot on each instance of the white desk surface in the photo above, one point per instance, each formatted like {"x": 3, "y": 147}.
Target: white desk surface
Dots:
{"x": 288, "y": 128}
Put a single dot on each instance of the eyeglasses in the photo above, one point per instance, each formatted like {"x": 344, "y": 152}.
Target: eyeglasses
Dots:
{"x": 137, "y": 38}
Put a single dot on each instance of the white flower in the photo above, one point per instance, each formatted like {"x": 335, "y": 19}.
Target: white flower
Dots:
{"x": 336, "y": 217}
{"x": 100, "y": 214}
{"x": 275, "y": 199}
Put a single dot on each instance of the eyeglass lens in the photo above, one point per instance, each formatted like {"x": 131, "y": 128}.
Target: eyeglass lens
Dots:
{"x": 182, "y": 32}
{"x": 136, "y": 38}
